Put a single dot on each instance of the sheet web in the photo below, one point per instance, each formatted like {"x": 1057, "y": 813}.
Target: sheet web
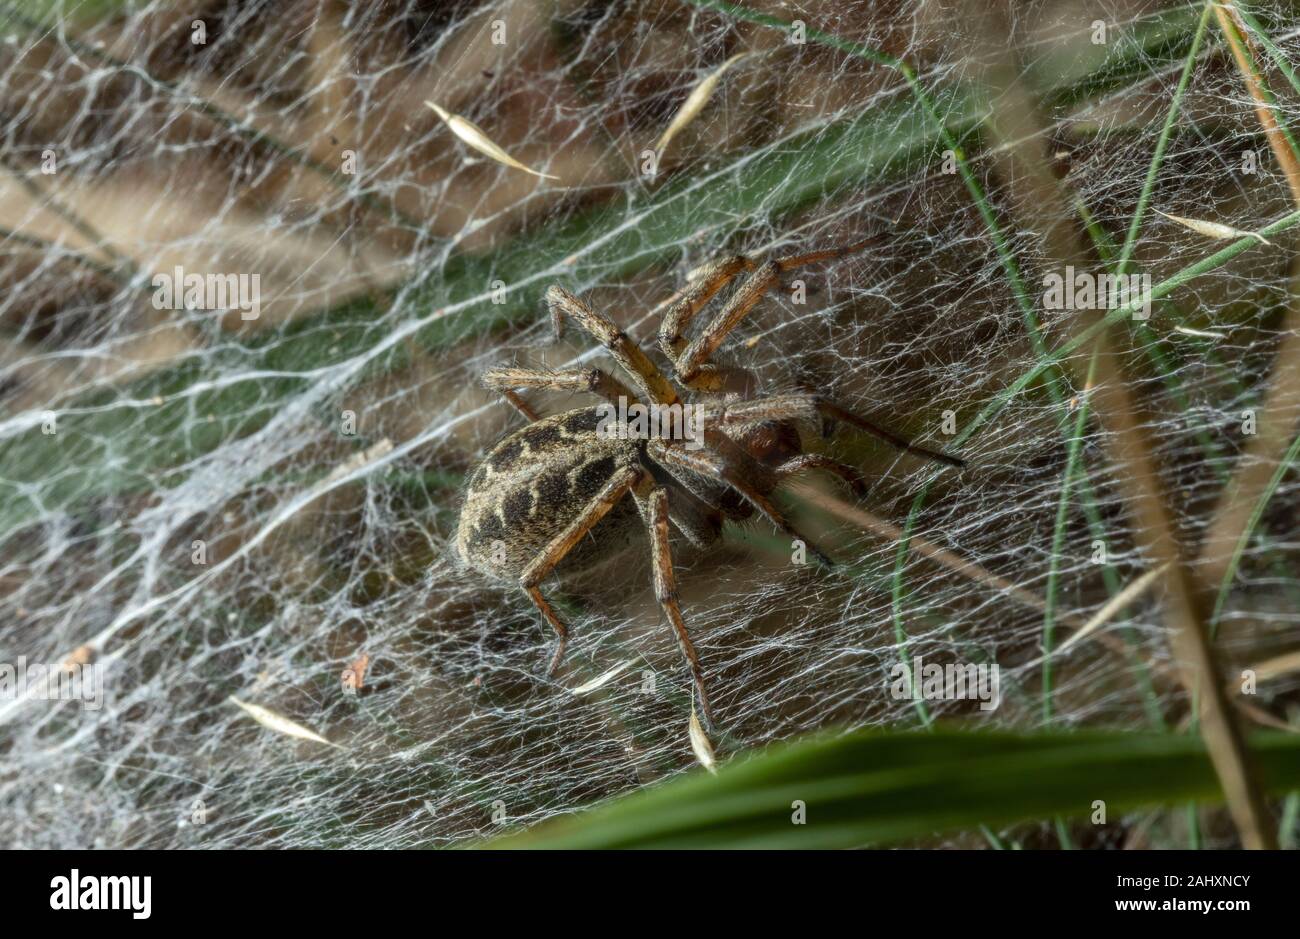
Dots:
{"x": 210, "y": 506}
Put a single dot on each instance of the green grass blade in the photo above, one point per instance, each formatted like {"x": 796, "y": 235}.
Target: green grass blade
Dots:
{"x": 1153, "y": 170}
{"x": 1256, "y": 513}
{"x": 875, "y": 787}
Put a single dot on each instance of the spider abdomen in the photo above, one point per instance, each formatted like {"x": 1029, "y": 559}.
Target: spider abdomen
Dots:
{"x": 533, "y": 484}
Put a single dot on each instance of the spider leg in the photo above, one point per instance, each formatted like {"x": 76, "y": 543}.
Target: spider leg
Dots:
{"x": 594, "y": 380}
{"x": 561, "y": 630}
{"x": 703, "y": 289}
{"x": 618, "y": 486}
{"x": 836, "y": 413}
{"x": 666, "y": 593}
{"x": 690, "y": 363}
{"x": 825, "y": 254}
{"x": 617, "y": 343}
{"x": 694, "y": 518}
{"x": 807, "y": 461}
{"x": 810, "y": 407}
{"x": 708, "y": 463}
{"x": 520, "y": 405}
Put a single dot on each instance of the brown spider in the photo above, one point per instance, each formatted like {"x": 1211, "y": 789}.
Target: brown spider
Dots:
{"x": 540, "y": 492}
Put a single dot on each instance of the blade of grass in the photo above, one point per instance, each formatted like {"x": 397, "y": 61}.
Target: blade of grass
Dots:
{"x": 1069, "y": 346}
{"x": 64, "y": 253}
{"x": 873, "y": 787}
{"x": 1015, "y": 124}
{"x": 1162, "y": 143}
{"x": 1248, "y": 530}
{"x": 47, "y": 200}
{"x": 1260, "y": 35}
{"x": 1149, "y": 344}
{"x": 1286, "y": 829}
{"x": 1282, "y": 402}
{"x": 1058, "y": 536}
{"x": 1279, "y": 138}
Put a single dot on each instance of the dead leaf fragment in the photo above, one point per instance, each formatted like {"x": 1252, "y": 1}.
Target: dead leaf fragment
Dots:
{"x": 474, "y": 137}
{"x": 279, "y": 723}
{"x": 354, "y": 676}
{"x": 1114, "y": 606}
{"x": 701, "y": 745}
{"x": 1214, "y": 229}
{"x": 1200, "y": 333}
{"x": 695, "y": 102}
{"x": 601, "y": 680}
{"x": 82, "y": 655}
{"x": 1278, "y": 666}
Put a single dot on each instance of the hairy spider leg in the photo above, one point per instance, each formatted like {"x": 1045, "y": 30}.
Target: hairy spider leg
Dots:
{"x": 632, "y": 479}
{"x": 666, "y": 593}
{"x": 811, "y": 461}
{"x": 689, "y": 363}
{"x": 811, "y": 407}
{"x": 698, "y": 292}
{"x": 618, "y": 486}
{"x": 617, "y": 343}
{"x": 594, "y": 380}
{"x": 734, "y": 470}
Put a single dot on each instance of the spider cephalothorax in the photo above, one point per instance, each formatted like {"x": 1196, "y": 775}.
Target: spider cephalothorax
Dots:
{"x": 538, "y": 496}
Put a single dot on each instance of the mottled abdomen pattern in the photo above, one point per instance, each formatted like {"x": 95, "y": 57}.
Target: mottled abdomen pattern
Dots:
{"x": 533, "y": 484}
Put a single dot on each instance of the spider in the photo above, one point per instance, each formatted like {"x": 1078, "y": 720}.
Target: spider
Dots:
{"x": 540, "y": 493}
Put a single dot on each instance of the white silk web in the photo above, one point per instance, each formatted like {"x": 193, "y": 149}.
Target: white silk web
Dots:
{"x": 209, "y": 505}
